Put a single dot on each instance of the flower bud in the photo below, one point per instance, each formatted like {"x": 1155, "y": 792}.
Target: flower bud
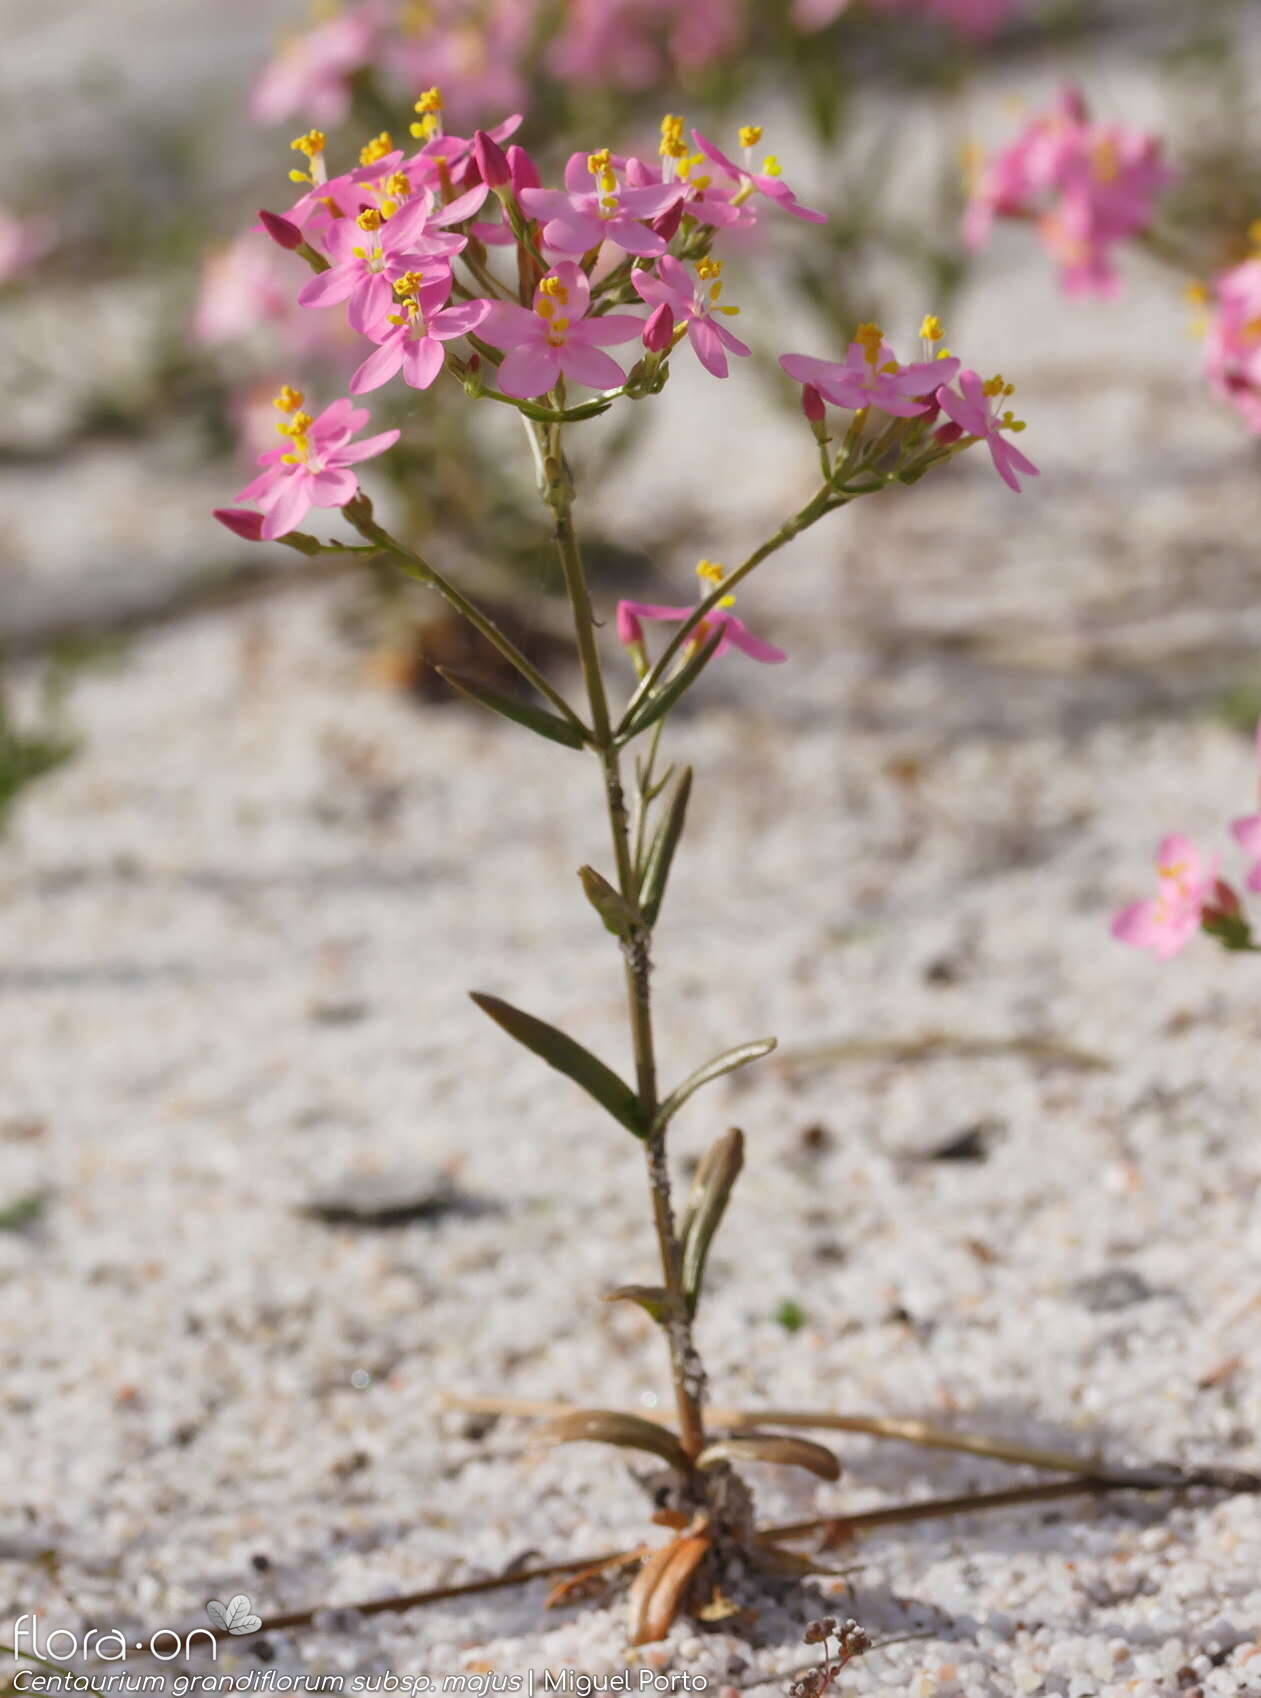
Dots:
{"x": 525, "y": 173}
{"x": 1223, "y": 904}
{"x": 284, "y": 233}
{"x": 241, "y": 522}
{"x": 948, "y": 433}
{"x": 812, "y": 404}
{"x": 659, "y": 330}
{"x": 666, "y": 224}
{"x": 492, "y": 161}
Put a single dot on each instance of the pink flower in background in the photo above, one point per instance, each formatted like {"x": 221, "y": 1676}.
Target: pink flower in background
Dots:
{"x": 242, "y": 286}
{"x": 1247, "y": 831}
{"x": 1089, "y": 187}
{"x": 975, "y": 411}
{"x": 596, "y": 207}
{"x": 767, "y": 181}
{"x": 310, "y": 74}
{"x": 314, "y": 470}
{"x": 693, "y": 304}
{"x": 557, "y": 337}
{"x": 734, "y": 632}
{"x": 412, "y": 339}
{"x": 622, "y": 41}
{"x": 871, "y": 375}
{"x": 23, "y": 243}
{"x": 1167, "y": 922}
{"x": 1232, "y": 346}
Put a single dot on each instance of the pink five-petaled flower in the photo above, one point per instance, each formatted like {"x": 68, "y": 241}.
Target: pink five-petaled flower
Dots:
{"x": 693, "y": 306}
{"x": 1168, "y": 921}
{"x": 314, "y": 469}
{"x": 870, "y": 375}
{"x": 767, "y": 181}
{"x": 585, "y": 214}
{"x": 975, "y": 411}
{"x": 371, "y": 252}
{"x": 412, "y": 338}
{"x": 734, "y": 631}
{"x": 557, "y": 337}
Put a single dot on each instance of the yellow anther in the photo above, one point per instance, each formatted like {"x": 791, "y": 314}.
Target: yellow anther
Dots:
{"x": 291, "y": 459}
{"x": 313, "y": 142}
{"x": 715, "y": 289}
{"x": 607, "y": 182}
{"x": 300, "y": 177}
{"x": 707, "y": 268}
{"x": 555, "y": 288}
{"x": 931, "y": 328}
{"x": 730, "y": 312}
{"x": 1009, "y": 421}
{"x": 672, "y": 143}
{"x": 727, "y": 601}
{"x": 944, "y": 354}
{"x": 750, "y": 135}
{"x": 1196, "y": 293}
{"x": 429, "y": 102}
{"x": 398, "y": 185}
{"x": 377, "y": 148}
{"x": 408, "y": 284}
{"x": 289, "y": 399}
{"x": 891, "y": 367}
{"x": 369, "y": 219}
{"x": 870, "y": 339}
{"x": 560, "y": 325}
{"x": 426, "y": 129}
{"x": 1105, "y": 161}
{"x": 711, "y": 571}
{"x": 995, "y": 386}
{"x": 771, "y": 166}
{"x": 545, "y": 307}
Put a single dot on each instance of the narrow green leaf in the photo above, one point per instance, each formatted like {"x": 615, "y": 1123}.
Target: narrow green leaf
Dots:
{"x": 778, "y": 1448}
{"x": 654, "y": 1300}
{"x": 569, "y": 1058}
{"x": 611, "y": 1426}
{"x": 727, "y": 1062}
{"x": 535, "y": 719}
{"x": 609, "y": 904}
{"x": 640, "y": 717}
{"x": 715, "y": 1177}
{"x": 660, "y": 855}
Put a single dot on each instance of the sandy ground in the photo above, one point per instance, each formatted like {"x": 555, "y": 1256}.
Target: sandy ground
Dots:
{"x": 238, "y": 933}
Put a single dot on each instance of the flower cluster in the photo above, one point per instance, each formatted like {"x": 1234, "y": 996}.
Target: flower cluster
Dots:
{"x": 1088, "y": 186}
{"x": 408, "y": 243}
{"x": 1232, "y": 343}
{"x": 1190, "y": 897}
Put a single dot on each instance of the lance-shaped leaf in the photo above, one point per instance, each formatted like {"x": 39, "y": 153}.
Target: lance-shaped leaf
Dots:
{"x": 653, "y": 707}
{"x": 778, "y": 1448}
{"x": 661, "y": 1586}
{"x": 535, "y": 719}
{"x": 654, "y": 1300}
{"x": 727, "y": 1062}
{"x": 660, "y": 856}
{"x": 569, "y": 1058}
{"x": 609, "y": 903}
{"x": 719, "y": 1169}
{"x": 612, "y": 1426}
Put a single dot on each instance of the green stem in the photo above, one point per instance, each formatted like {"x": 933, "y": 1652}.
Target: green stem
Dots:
{"x": 416, "y": 567}
{"x": 688, "y": 1376}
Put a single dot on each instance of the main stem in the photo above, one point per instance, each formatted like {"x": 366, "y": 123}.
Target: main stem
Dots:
{"x": 687, "y": 1373}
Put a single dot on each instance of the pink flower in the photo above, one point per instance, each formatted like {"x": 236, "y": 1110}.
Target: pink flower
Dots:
{"x": 412, "y": 338}
{"x": 23, "y": 242}
{"x": 693, "y": 307}
{"x": 1232, "y": 346}
{"x": 314, "y": 470}
{"x": 557, "y": 337}
{"x": 872, "y": 376}
{"x": 734, "y": 631}
{"x": 1247, "y": 832}
{"x": 588, "y": 213}
{"x": 311, "y": 72}
{"x": 242, "y": 286}
{"x": 1166, "y": 923}
{"x": 767, "y": 181}
{"x": 975, "y": 412}
{"x": 371, "y": 252}
{"x": 617, "y": 41}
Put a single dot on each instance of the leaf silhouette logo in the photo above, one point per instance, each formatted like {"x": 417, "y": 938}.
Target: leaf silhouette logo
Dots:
{"x": 236, "y": 1616}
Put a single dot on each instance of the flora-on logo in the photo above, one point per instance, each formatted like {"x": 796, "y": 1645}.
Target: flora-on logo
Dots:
{"x": 236, "y": 1616}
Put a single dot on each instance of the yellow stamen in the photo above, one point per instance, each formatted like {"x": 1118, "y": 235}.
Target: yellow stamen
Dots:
{"x": 708, "y": 268}
{"x": 429, "y": 102}
{"x": 369, "y": 219}
{"x": 408, "y": 285}
{"x": 289, "y": 399}
{"x": 313, "y": 142}
{"x": 771, "y": 166}
{"x": 555, "y": 288}
{"x": 672, "y": 143}
{"x": 398, "y": 185}
{"x": 300, "y": 177}
{"x": 870, "y": 339}
{"x": 995, "y": 386}
{"x": 377, "y": 148}
{"x": 599, "y": 163}
{"x": 931, "y": 328}
{"x": 1196, "y": 293}
{"x": 711, "y": 571}
{"x": 750, "y": 135}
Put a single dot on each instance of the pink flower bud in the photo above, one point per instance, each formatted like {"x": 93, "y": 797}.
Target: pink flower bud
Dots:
{"x": 281, "y": 231}
{"x": 659, "y": 330}
{"x": 241, "y": 522}
{"x": 812, "y": 404}
{"x": 1222, "y": 903}
{"x": 948, "y": 433}
{"x": 525, "y": 173}
{"x": 492, "y": 161}
{"x": 629, "y": 631}
{"x": 666, "y": 224}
